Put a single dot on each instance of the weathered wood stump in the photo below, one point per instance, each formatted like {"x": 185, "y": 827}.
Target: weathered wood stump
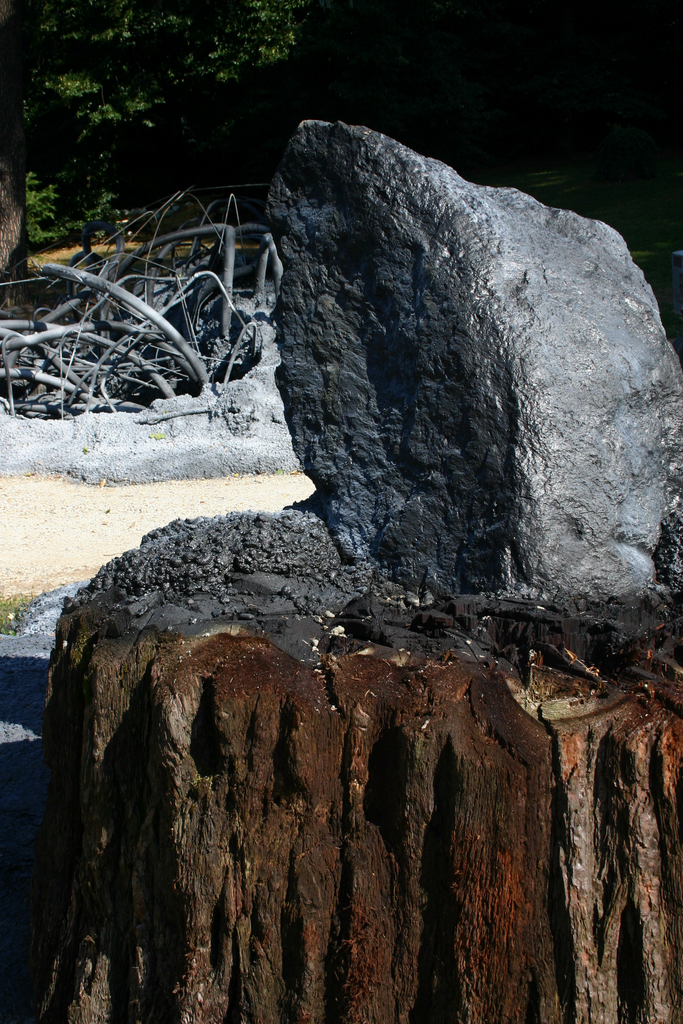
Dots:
{"x": 232, "y": 835}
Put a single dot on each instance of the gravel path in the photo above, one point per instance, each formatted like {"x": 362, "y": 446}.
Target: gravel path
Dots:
{"x": 56, "y": 531}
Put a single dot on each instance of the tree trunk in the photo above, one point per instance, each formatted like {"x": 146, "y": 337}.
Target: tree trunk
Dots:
{"x": 12, "y": 154}
{"x": 231, "y": 835}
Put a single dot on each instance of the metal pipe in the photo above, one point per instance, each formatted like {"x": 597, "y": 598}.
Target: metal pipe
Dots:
{"x": 133, "y": 302}
{"x": 238, "y": 345}
{"x": 228, "y": 274}
{"x": 268, "y": 250}
{"x": 23, "y": 373}
{"x": 250, "y": 228}
{"x": 10, "y": 396}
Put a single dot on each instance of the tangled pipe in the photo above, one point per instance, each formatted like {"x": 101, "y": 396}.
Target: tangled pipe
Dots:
{"x": 127, "y": 329}
{"x": 267, "y": 252}
{"x": 136, "y": 305}
{"x": 188, "y": 234}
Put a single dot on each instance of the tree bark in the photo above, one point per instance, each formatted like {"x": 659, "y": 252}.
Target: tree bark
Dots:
{"x": 233, "y": 836}
{"x": 12, "y": 153}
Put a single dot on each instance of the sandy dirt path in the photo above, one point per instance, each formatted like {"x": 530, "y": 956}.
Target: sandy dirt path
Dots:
{"x": 55, "y": 531}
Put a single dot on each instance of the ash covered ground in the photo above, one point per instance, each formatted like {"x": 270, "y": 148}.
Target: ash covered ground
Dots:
{"x": 24, "y": 662}
{"x": 237, "y": 427}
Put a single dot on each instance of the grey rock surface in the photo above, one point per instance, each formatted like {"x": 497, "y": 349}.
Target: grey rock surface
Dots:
{"x": 479, "y": 386}
{"x": 234, "y": 428}
{"x": 24, "y": 661}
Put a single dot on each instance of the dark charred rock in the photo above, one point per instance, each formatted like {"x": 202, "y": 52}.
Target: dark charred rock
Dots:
{"x": 287, "y": 555}
{"x": 479, "y": 386}
{"x": 669, "y": 554}
{"x": 281, "y": 576}
{"x": 235, "y": 565}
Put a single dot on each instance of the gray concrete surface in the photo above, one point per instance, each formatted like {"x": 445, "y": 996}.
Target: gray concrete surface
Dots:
{"x": 24, "y": 661}
{"x": 236, "y": 428}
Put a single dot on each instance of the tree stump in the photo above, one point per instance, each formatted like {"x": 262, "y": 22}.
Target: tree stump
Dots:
{"x": 233, "y": 835}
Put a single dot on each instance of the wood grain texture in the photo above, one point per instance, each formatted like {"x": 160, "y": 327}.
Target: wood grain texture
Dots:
{"x": 232, "y": 835}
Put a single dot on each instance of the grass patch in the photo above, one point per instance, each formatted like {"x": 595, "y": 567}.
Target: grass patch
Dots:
{"x": 11, "y": 612}
{"x": 63, "y": 253}
{"x": 649, "y": 214}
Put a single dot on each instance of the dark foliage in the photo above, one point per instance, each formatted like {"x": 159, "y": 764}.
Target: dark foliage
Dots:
{"x": 627, "y": 153}
{"x": 127, "y": 100}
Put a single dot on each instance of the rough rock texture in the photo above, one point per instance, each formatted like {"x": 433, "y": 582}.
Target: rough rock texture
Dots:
{"x": 208, "y": 554}
{"x": 479, "y": 386}
{"x": 281, "y": 575}
{"x": 244, "y": 567}
{"x": 232, "y": 835}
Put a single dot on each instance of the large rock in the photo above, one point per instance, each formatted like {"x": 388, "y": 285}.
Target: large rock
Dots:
{"x": 479, "y": 386}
